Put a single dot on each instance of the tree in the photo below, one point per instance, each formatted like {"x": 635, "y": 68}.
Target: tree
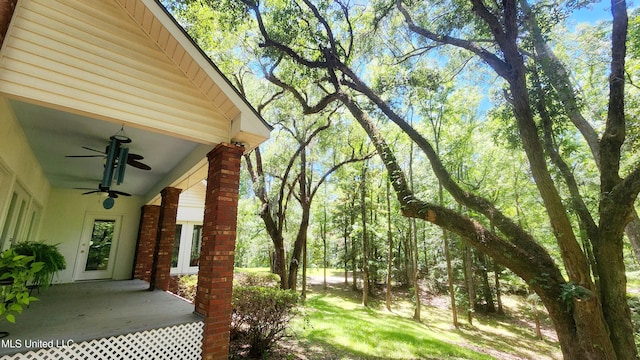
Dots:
{"x": 592, "y": 314}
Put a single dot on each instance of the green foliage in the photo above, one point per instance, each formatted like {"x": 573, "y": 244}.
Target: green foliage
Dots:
{"x": 15, "y": 271}
{"x": 188, "y": 286}
{"x": 47, "y": 254}
{"x": 263, "y": 279}
{"x": 571, "y": 291}
{"x": 260, "y": 318}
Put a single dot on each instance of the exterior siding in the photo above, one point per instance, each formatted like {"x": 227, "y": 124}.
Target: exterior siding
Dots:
{"x": 89, "y": 56}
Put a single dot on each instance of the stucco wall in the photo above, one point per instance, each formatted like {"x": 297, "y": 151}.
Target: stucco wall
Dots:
{"x": 64, "y": 220}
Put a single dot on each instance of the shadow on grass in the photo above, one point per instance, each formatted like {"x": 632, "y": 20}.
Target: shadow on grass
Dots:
{"x": 337, "y": 322}
{"x": 510, "y": 335}
{"x": 337, "y": 326}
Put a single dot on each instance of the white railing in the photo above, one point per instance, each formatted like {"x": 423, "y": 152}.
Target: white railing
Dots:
{"x": 182, "y": 342}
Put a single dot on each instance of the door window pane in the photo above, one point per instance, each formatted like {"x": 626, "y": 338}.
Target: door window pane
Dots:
{"x": 100, "y": 245}
{"x": 196, "y": 240}
{"x": 18, "y": 226}
{"x": 176, "y": 246}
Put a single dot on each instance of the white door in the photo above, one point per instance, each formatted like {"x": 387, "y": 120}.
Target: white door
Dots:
{"x": 98, "y": 245}
{"x": 13, "y": 225}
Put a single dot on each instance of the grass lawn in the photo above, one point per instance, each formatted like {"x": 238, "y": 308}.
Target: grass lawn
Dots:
{"x": 336, "y": 326}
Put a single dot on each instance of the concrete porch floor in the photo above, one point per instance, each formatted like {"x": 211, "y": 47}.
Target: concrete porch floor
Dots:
{"x": 90, "y": 310}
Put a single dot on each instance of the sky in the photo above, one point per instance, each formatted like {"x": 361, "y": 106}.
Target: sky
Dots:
{"x": 598, "y": 11}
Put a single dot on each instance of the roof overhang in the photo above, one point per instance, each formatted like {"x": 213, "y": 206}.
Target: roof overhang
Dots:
{"x": 124, "y": 62}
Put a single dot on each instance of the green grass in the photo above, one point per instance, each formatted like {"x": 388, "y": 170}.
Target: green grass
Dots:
{"x": 633, "y": 281}
{"x": 334, "y": 325}
{"x": 352, "y": 331}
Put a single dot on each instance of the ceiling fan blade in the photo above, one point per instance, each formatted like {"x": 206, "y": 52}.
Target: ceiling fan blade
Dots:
{"x": 137, "y": 164}
{"x": 134, "y": 157}
{"x": 88, "y": 148}
{"x": 83, "y": 156}
{"x": 116, "y": 192}
{"x": 91, "y": 192}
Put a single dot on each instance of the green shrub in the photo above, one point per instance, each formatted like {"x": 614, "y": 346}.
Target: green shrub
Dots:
{"x": 52, "y": 260}
{"x": 260, "y": 318}
{"x": 188, "y": 286}
{"x": 257, "y": 279}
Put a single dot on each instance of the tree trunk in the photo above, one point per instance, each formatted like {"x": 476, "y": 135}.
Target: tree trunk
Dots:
{"x": 279, "y": 259}
{"x": 415, "y": 273}
{"x": 365, "y": 238}
{"x": 354, "y": 265}
{"x": 298, "y": 246}
{"x": 497, "y": 269}
{"x": 324, "y": 246}
{"x": 408, "y": 271}
{"x": 468, "y": 277}
{"x": 273, "y": 224}
{"x": 486, "y": 288}
{"x": 633, "y": 234}
{"x": 345, "y": 235}
{"x": 535, "y": 314}
{"x": 305, "y": 204}
{"x": 452, "y": 293}
{"x": 496, "y": 272}
{"x": 303, "y": 294}
{"x": 390, "y": 255}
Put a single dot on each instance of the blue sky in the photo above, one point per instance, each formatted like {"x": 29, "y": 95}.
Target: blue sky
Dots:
{"x": 598, "y": 11}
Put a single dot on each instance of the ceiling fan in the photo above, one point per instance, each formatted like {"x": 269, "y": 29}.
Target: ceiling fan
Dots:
{"x": 112, "y": 193}
{"x": 116, "y": 157}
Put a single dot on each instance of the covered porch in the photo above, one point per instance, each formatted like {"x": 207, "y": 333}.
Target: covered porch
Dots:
{"x": 74, "y": 314}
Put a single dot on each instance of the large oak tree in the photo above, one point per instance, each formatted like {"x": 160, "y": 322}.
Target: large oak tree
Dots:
{"x": 330, "y": 42}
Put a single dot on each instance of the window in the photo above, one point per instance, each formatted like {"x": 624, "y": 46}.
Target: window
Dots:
{"x": 186, "y": 248}
{"x": 176, "y": 246}
{"x": 100, "y": 245}
{"x": 196, "y": 240}
{"x": 13, "y": 228}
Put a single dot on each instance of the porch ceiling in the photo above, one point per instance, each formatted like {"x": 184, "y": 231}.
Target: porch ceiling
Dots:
{"x": 54, "y": 134}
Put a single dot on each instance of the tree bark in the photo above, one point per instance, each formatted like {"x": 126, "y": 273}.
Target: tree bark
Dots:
{"x": 468, "y": 279}
{"x": 365, "y": 237}
{"x": 345, "y": 235}
{"x": 633, "y": 234}
{"x": 486, "y": 288}
{"x": 452, "y": 293}
{"x": 390, "y": 255}
{"x": 305, "y": 204}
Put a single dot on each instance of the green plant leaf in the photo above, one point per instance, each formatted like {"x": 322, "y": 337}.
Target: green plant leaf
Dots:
{"x": 16, "y": 307}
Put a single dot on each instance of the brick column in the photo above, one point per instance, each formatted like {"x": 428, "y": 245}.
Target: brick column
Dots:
{"x": 147, "y": 237}
{"x": 161, "y": 270}
{"x": 215, "y": 276}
